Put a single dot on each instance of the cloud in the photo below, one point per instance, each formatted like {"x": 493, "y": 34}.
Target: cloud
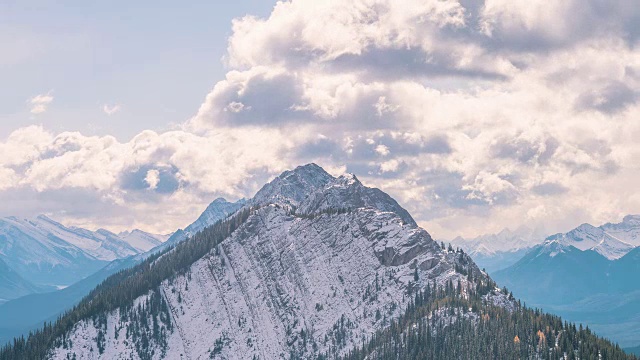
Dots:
{"x": 474, "y": 115}
{"x": 40, "y": 103}
{"x": 111, "y": 109}
{"x": 152, "y": 178}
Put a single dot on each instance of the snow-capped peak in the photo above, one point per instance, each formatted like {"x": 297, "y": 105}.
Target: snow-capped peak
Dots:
{"x": 612, "y": 241}
{"x": 347, "y": 192}
{"x": 293, "y": 186}
{"x": 506, "y": 240}
{"x": 633, "y": 220}
{"x": 347, "y": 179}
{"x": 141, "y": 240}
{"x": 218, "y": 209}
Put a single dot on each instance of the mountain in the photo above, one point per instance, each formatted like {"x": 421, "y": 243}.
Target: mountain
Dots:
{"x": 494, "y": 252}
{"x": 342, "y": 256}
{"x": 50, "y": 255}
{"x": 217, "y": 210}
{"x": 587, "y": 275}
{"x": 588, "y": 237}
{"x": 21, "y": 315}
{"x": 612, "y": 241}
{"x": 142, "y": 241}
{"x": 312, "y": 267}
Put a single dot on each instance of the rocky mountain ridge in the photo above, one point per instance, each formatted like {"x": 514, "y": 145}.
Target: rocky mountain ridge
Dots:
{"x": 319, "y": 264}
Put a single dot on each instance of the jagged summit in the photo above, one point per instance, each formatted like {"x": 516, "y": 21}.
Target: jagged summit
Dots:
{"x": 293, "y": 186}
{"x": 612, "y": 241}
{"x": 311, "y": 189}
{"x": 347, "y": 192}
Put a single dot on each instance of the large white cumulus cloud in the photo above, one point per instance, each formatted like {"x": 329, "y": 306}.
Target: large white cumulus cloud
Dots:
{"x": 475, "y": 115}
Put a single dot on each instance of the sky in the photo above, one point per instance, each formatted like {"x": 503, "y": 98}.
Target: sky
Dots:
{"x": 474, "y": 115}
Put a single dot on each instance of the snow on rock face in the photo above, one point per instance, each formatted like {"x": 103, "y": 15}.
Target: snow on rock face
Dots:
{"x": 504, "y": 241}
{"x": 101, "y": 244}
{"x": 288, "y": 282}
{"x": 142, "y": 241}
{"x": 46, "y": 252}
{"x": 293, "y": 186}
{"x": 627, "y": 231}
{"x": 612, "y": 241}
{"x": 347, "y": 192}
{"x": 217, "y": 210}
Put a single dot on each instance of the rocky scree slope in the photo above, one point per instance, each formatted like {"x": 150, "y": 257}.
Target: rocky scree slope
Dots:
{"x": 312, "y": 265}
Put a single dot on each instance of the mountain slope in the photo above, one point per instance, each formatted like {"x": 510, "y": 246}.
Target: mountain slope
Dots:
{"x": 38, "y": 250}
{"x": 49, "y": 254}
{"x": 588, "y": 237}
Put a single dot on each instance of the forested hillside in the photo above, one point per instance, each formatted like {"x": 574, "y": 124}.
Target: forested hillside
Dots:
{"x": 448, "y": 324}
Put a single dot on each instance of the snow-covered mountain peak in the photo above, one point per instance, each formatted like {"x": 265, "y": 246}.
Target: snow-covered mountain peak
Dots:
{"x": 141, "y": 240}
{"x": 345, "y": 180}
{"x": 347, "y": 192}
{"x": 612, "y": 241}
{"x": 47, "y": 252}
{"x": 612, "y": 248}
{"x": 293, "y": 186}
{"x": 45, "y": 218}
{"x": 218, "y": 201}
{"x": 552, "y": 247}
{"x": 632, "y": 220}
{"x": 506, "y": 240}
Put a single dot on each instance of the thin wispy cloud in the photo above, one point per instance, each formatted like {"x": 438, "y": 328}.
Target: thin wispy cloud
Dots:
{"x": 40, "y": 103}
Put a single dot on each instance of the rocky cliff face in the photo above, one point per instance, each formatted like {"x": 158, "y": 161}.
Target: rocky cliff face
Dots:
{"x": 319, "y": 267}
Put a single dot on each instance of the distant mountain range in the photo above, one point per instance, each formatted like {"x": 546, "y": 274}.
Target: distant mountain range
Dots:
{"x": 589, "y": 274}
{"x": 494, "y": 252}
{"x": 612, "y": 241}
{"x": 42, "y": 255}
